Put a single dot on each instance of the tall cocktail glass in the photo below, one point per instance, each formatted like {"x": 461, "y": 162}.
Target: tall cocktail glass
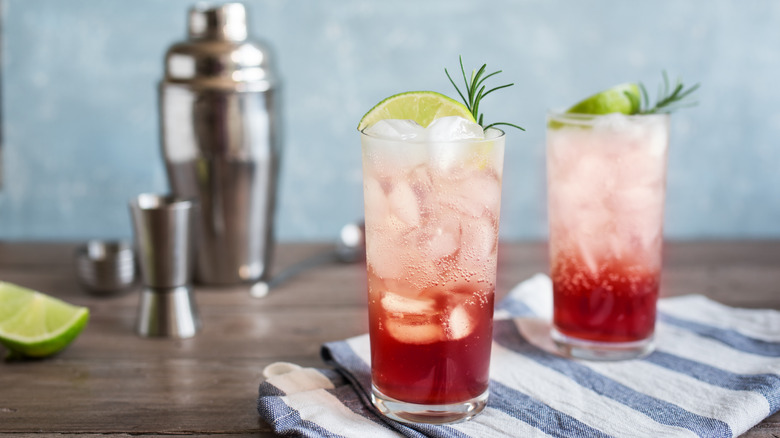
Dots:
{"x": 431, "y": 216}
{"x": 606, "y": 178}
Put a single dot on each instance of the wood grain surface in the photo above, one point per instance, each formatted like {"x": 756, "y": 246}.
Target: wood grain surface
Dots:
{"x": 112, "y": 382}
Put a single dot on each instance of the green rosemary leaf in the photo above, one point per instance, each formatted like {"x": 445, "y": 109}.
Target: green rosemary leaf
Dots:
{"x": 670, "y": 98}
{"x": 454, "y": 85}
{"x": 476, "y": 90}
{"x": 504, "y": 124}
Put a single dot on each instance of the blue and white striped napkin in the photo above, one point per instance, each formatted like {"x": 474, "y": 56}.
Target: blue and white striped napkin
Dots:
{"x": 715, "y": 373}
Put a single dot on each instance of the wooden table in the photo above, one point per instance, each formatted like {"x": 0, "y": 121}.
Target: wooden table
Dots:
{"x": 109, "y": 381}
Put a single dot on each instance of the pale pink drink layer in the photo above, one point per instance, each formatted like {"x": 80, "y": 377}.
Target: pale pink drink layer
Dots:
{"x": 606, "y": 185}
{"x": 431, "y": 214}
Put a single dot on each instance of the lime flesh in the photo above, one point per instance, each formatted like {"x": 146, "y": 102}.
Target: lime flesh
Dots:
{"x": 421, "y": 106}
{"x": 623, "y": 98}
{"x": 33, "y": 324}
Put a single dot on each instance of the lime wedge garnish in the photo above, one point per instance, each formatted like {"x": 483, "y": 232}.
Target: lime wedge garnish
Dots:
{"x": 421, "y": 106}
{"x": 33, "y": 324}
{"x": 623, "y": 98}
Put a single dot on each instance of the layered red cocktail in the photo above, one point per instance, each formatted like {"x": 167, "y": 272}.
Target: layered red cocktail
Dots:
{"x": 606, "y": 186}
{"x": 431, "y": 215}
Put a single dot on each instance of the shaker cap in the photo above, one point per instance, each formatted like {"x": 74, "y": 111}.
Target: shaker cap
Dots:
{"x": 225, "y": 22}
{"x": 219, "y": 53}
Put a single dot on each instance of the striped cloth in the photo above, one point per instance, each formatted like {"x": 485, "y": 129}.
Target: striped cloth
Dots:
{"x": 715, "y": 373}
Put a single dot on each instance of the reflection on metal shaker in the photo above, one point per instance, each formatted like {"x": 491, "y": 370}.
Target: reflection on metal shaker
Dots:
{"x": 221, "y": 143}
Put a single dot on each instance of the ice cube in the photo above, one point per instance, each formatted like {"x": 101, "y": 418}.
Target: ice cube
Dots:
{"x": 615, "y": 122}
{"x": 595, "y": 173}
{"x": 641, "y": 200}
{"x": 657, "y": 142}
{"x": 588, "y": 256}
{"x": 618, "y": 243}
{"x": 459, "y": 324}
{"x": 478, "y": 194}
{"x": 638, "y": 166}
{"x": 402, "y": 287}
{"x": 493, "y": 133}
{"x": 443, "y": 239}
{"x": 413, "y": 333}
{"x": 394, "y": 154}
{"x": 479, "y": 241}
{"x": 445, "y": 134}
{"x": 375, "y": 201}
{"x": 396, "y": 129}
{"x": 422, "y": 182}
{"x": 454, "y": 290}
{"x": 403, "y": 204}
{"x": 453, "y": 128}
{"x": 384, "y": 251}
{"x": 395, "y": 303}
{"x": 385, "y": 261}
{"x": 442, "y": 243}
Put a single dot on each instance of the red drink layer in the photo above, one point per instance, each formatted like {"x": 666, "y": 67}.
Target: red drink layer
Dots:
{"x": 617, "y": 304}
{"x": 416, "y": 358}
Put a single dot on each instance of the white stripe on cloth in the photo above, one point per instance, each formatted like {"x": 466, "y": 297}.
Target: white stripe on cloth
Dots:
{"x": 306, "y": 393}
{"x": 561, "y": 393}
{"x": 361, "y": 345}
{"x": 683, "y": 343}
{"x": 327, "y": 411}
{"x": 735, "y": 408}
{"x": 761, "y": 324}
{"x": 300, "y": 380}
{"x": 536, "y": 293}
{"x": 492, "y": 423}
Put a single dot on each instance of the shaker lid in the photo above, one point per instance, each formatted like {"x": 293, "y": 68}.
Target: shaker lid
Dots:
{"x": 226, "y": 22}
{"x": 218, "y": 53}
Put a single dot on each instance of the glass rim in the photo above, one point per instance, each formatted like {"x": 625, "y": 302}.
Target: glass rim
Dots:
{"x": 501, "y": 135}
{"x": 574, "y": 118}
{"x": 154, "y": 201}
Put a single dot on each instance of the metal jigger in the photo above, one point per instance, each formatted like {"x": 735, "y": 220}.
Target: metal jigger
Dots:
{"x": 163, "y": 228}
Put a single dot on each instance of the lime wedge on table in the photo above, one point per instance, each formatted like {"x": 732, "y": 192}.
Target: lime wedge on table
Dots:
{"x": 421, "y": 106}
{"x": 623, "y": 98}
{"x": 33, "y": 324}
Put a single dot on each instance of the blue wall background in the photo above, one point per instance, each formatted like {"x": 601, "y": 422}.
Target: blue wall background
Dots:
{"x": 80, "y": 118}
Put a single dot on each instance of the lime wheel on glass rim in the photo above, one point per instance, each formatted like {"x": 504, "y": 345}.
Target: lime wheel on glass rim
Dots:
{"x": 420, "y": 106}
{"x": 623, "y": 99}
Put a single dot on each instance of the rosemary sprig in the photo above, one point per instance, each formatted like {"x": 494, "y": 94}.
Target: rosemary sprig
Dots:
{"x": 476, "y": 91}
{"x": 669, "y": 99}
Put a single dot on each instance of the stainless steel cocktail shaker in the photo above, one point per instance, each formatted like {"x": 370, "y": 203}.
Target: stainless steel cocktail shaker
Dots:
{"x": 221, "y": 143}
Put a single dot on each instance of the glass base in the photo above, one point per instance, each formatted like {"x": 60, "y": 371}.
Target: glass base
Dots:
{"x": 429, "y": 414}
{"x": 594, "y": 350}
